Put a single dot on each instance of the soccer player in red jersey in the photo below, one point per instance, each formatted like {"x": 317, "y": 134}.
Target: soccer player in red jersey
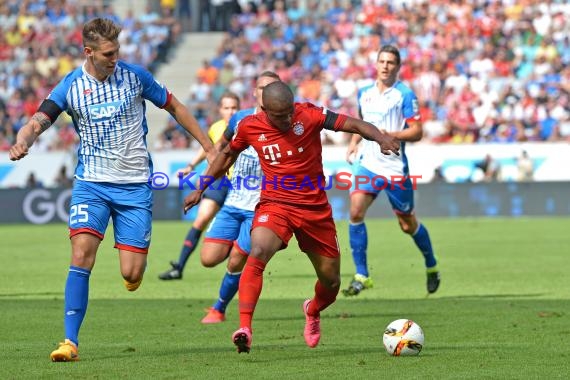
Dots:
{"x": 286, "y": 136}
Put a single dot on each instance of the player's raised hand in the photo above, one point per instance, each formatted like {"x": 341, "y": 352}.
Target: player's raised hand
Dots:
{"x": 18, "y": 151}
{"x": 388, "y": 144}
{"x": 192, "y": 200}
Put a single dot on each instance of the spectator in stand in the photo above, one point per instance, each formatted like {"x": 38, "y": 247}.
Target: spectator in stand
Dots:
{"x": 39, "y": 43}
{"x": 489, "y": 169}
{"x": 62, "y": 179}
{"x": 207, "y": 73}
{"x": 525, "y": 167}
{"x": 32, "y": 182}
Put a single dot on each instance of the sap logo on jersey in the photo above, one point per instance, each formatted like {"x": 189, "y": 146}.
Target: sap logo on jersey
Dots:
{"x": 104, "y": 111}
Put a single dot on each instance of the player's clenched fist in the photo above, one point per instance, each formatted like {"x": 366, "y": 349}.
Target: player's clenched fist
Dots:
{"x": 389, "y": 144}
{"x": 18, "y": 151}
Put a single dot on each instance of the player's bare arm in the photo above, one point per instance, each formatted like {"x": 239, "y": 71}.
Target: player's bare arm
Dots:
{"x": 28, "y": 134}
{"x": 224, "y": 160}
{"x": 388, "y": 144}
{"x": 413, "y": 133}
{"x": 189, "y": 122}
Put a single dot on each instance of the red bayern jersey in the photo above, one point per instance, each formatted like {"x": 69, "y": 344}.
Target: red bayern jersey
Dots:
{"x": 291, "y": 161}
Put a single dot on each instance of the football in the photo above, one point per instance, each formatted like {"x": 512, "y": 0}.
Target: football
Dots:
{"x": 403, "y": 337}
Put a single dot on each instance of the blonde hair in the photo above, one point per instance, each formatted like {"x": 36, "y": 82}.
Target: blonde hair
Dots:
{"x": 100, "y": 29}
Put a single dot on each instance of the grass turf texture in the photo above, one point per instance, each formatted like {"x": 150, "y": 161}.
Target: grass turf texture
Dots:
{"x": 502, "y": 310}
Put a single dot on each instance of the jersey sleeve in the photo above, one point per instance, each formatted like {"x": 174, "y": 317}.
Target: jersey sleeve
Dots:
{"x": 59, "y": 93}
{"x": 410, "y": 107}
{"x": 232, "y": 124}
{"x": 240, "y": 140}
{"x": 326, "y": 118}
{"x": 151, "y": 88}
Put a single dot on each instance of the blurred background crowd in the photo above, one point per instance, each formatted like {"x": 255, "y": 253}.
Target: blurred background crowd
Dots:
{"x": 484, "y": 71}
{"x": 40, "y": 41}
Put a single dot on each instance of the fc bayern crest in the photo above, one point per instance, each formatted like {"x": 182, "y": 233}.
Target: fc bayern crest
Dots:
{"x": 298, "y": 129}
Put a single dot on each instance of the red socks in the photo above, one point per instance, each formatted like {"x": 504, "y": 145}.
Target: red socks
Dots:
{"x": 250, "y": 285}
{"x": 323, "y": 298}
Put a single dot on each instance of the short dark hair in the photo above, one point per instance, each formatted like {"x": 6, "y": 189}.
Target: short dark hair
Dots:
{"x": 100, "y": 29}
{"x": 230, "y": 95}
{"x": 392, "y": 50}
{"x": 268, "y": 74}
{"x": 277, "y": 92}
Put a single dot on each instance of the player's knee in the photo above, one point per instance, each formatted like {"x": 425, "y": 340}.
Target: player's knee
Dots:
{"x": 260, "y": 253}
{"x": 208, "y": 262}
{"x": 235, "y": 264}
{"x": 331, "y": 282}
{"x": 82, "y": 259}
{"x": 211, "y": 258}
{"x": 406, "y": 227}
{"x": 357, "y": 214}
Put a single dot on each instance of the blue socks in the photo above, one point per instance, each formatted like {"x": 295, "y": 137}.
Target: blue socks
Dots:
{"x": 76, "y": 299}
{"x": 422, "y": 240}
{"x": 228, "y": 290}
{"x": 189, "y": 246}
{"x": 358, "y": 244}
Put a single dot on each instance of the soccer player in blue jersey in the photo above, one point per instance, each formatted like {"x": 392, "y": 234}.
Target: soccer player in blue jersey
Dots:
{"x": 230, "y": 230}
{"x": 393, "y": 107}
{"x": 106, "y": 99}
{"x": 213, "y": 198}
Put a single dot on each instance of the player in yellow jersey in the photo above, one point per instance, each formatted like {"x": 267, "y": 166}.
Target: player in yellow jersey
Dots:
{"x": 213, "y": 198}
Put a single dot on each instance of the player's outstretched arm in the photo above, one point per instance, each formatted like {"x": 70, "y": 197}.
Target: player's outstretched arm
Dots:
{"x": 189, "y": 122}
{"x": 413, "y": 133}
{"x": 28, "y": 134}
{"x": 219, "y": 167}
{"x": 388, "y": 144}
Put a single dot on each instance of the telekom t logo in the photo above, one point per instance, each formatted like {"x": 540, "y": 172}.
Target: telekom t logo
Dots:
{"x": 271, "y": 152}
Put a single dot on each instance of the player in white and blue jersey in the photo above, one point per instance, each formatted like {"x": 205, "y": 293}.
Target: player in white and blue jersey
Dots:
{"x": 229, "y": 232}
{"x": 393, "y": 107}
{"x": 213, "y": 198}
{"x": 106, "y": 99}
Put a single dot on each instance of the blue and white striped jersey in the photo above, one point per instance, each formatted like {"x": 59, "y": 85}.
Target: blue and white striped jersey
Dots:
{"x": 247, "y": 169}
{"x": 388, "y": 111}
{"x": 109, "y": 117}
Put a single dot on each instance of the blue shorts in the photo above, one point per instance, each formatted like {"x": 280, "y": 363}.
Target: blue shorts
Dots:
{"x": 216, "y": 192}
{"x": 232, "y": 224}
{"x": 400, "y": 194}
{"x": 128, "y": 205}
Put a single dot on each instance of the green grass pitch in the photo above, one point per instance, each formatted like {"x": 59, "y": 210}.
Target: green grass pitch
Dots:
{"x": 502, "y": 311}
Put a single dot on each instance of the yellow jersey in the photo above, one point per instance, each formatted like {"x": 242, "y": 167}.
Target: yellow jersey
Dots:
{"x": 216, "y": 130}
{"x": 215, "y": 133}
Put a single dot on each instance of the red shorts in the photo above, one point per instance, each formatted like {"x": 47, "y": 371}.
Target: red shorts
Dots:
{"x": 313, "y": 226}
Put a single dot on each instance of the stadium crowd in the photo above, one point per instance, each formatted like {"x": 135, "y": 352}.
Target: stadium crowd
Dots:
{"x": 40, "y": 41}
{"x": 484, "y": 71}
